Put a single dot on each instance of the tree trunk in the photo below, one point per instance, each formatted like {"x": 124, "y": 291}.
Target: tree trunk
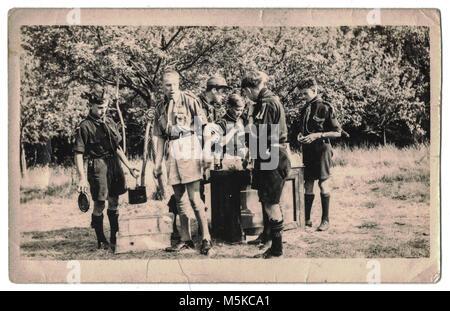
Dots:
{"x": 384, "y": 136}
{"x": 124, "y": 137}
{"x": 23, "y": 161}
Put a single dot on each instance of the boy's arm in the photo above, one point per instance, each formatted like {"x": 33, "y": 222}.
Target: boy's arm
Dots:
{"x": 133, "y": 171}
{"x": 83, "y": 183}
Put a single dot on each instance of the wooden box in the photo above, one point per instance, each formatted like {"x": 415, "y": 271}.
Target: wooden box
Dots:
{"x": 144, "y": 232}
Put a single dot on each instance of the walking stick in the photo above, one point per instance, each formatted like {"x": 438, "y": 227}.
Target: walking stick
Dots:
{"x": 120, "y": 116}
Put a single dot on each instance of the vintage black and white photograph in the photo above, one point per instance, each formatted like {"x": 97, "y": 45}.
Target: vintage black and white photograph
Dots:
{"x": 249, "y": 143}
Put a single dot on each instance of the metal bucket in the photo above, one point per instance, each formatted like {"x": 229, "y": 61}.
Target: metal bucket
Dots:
{"x": 138, "y": 195}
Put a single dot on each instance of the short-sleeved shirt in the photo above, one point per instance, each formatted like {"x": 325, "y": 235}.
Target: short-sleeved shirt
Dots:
{"x": 96, "y": 138}
{"x": 318, "y": 116}
{"x": 184, "y": 111}
{"x": 268, "y": 111}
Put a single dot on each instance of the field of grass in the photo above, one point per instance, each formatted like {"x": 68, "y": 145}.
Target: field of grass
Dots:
{"x": 380, "y": 207}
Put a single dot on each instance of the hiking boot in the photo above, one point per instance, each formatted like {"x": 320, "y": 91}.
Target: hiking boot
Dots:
{"x": 308, "y": 223}
{"x": 182, "y": 247}
{"x": 269, "y": 254}
{"x": 206, "y": 247}
{"x": 324, "y": 225}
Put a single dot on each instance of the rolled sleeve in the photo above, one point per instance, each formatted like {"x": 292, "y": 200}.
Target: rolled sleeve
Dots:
{"x": 80, "y": 139}
{"x": 332, "y": 122}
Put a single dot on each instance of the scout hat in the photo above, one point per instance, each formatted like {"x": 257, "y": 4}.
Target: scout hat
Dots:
{"x": 217, "y": 81}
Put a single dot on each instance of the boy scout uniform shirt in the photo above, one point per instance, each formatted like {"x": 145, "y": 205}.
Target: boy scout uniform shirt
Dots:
{"x": 268, "y": 110}
{"x": 96, "y": 138}
{"x": 228, "y": 123}
{"x": 270, "y": 183}
{"x": 99, "y": 141}
{"x": 317, "y": 117}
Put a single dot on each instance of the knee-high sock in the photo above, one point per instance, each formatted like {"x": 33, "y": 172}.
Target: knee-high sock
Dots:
{"x": 309, "y": 199}
{"x": 325, "y": 198}
{"x": 276, "y": 230}
{"x": 185, "y": 230}
{"x": 266, "y": 232}
{"x": 113, "y": 217}
{"x": 97, "y": 224}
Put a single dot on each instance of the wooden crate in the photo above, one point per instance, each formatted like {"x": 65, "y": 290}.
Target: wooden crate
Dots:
{"x": 144, "y": 232}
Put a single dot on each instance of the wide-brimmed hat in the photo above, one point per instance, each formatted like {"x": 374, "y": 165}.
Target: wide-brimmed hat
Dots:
{"x": 217, "y": 81}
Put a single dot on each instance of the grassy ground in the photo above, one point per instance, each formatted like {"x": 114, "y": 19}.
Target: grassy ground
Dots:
{"x": 380, "y": 208}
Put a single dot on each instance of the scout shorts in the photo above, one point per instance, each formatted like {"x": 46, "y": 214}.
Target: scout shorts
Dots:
{"x": 270, "y": 183}
{"x": 184, "y": 164}
{"x": 317, "y": 160}
{"x": 106, "y": 178}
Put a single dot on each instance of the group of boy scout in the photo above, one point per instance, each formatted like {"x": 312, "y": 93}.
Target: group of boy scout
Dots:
{"x": 179, "y": 129}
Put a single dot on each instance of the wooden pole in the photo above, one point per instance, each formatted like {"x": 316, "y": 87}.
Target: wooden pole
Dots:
{"x": 149, "y": 150}
{"x": 145, "y": 156}
{"x": 124, "y": 138}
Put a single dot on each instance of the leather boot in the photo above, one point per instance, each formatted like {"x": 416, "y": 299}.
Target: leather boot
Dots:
{"x": 276, "y": 249}
{"x": 97, "y": 224}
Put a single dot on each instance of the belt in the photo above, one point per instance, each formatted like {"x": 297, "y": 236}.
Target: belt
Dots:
{"x": 106, "y": 156}
{"x": 182, "y": 134}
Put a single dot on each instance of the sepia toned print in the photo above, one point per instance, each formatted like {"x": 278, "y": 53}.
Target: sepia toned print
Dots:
{"x": 200, "y": 134}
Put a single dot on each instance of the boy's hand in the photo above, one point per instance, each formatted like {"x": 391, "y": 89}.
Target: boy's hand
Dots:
{"x": 309, "y": 138}
{"x": 83, "y": 185}
{"x": 134, "y": 172}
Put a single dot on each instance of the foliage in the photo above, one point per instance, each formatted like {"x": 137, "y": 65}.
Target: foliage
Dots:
{"x": 376, "y": 77}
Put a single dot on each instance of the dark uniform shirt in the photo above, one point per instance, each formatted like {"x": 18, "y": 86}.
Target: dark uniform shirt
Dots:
{"x": 99, "y": 141}
{"x": 318, "y": 116}
{"x": 96, "y": 138}
{"x": 270, "y": 182}
{"x": 268, "y": 110}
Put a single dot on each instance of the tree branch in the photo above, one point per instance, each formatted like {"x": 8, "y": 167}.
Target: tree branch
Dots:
{"x": 200, "y": 55}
